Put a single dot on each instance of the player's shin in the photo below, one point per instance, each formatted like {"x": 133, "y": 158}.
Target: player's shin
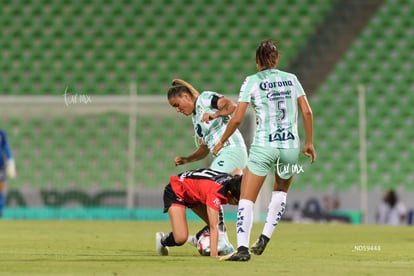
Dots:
{"x": 275, "y": 212}
{"x": 244, "y": 222}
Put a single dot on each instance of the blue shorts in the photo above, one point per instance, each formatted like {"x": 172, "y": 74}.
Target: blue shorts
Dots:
{"x": 3, "y": 176}
{"x": 263, "y": 159}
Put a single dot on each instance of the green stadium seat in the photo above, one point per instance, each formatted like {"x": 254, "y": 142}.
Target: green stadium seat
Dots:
{"x": 108, "y": 45}
{"x": 370, "y": 59}
{"x": 118, "y": 27}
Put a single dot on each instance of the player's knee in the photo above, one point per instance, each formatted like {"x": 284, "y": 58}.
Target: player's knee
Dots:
{"x": 180, "y": 242}
{"x": 180, "y": 239}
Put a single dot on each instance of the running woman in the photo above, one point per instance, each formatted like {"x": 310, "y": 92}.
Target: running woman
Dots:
{"x": 197, "y": 189}
{"x": 210, "y": 112}
{"x": 275, "y": 96}
{"x": 7, "y": 167}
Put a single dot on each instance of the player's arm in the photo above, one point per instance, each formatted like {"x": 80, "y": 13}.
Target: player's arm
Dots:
{"x": 233, "y": 124}
{"x": 307, "y": 115}
{"x": 200, "y": 153}
{"x": 224, "y": 107}
{"x": 10, "y": 164}
{"x": 213, "y": 220}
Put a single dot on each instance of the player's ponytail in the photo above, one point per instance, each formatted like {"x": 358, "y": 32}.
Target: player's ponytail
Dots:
{"x": 190, "y": 88}
{"x": 267, "y": 54}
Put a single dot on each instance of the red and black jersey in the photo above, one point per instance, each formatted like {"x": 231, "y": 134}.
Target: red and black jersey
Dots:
{"x": 204, "y": 186}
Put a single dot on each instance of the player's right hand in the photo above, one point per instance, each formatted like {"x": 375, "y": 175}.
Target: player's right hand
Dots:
{"x": 207, "y": 117}
{"x": 178, "y": 160}
{"x": 309, "y": 151}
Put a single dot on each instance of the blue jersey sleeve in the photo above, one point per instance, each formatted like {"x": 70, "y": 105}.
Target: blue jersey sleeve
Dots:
{"x": 5, "y": 147}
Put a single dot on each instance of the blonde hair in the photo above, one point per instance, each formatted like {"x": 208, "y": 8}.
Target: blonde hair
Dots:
{"x": 193, "y": 91}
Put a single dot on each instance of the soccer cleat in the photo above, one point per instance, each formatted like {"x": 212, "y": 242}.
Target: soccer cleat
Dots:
{"x": 259, "y": 246}
{"x": 241, "y": 255}
{"x": 192, "y": 240}
{"x": 224, "y": 245}
{"x": 161, "y": 249}
{"x": 205, "y": 230}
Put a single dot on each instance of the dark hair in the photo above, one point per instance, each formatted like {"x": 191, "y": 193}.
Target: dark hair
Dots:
{"x": 181, "y": 86}
{"x": 267, "y": 54}
{"x": 233, "y": 185}
{"x": 391, "y": 198}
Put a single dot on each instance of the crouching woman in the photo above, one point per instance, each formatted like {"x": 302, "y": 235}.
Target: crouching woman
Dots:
{"x": 204, "y": 191}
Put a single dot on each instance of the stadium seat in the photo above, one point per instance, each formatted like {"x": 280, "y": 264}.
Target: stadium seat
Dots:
{"x": 80, "y": 45}
{"x": 368, "y": 62}
{"x": 99, "y": 48}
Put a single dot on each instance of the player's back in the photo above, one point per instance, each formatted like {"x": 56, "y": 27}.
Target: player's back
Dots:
{"x": 273, "y": 94}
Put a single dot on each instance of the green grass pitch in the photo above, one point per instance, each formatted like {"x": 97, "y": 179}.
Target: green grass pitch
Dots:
{"x": 65, "y": 247}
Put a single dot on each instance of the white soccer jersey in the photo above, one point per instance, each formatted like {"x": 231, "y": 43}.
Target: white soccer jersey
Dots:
{"x": 273, "y": 95}
{"x": 211, "y": 132}
{"x": 391, "y": 215}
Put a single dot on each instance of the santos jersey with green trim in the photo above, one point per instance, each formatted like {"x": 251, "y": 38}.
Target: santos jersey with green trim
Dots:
{"x": 212, "y": 131}
{"x": 273, "y": 95}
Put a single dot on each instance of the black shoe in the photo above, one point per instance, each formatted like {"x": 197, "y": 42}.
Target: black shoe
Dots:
{"x": 241, "y": 255}
{"x": 259, "y": 246}
{"x": 205, "y": 230}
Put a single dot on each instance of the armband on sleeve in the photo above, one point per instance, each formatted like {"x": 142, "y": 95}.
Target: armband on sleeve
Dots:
{"x": 214, "y": 101}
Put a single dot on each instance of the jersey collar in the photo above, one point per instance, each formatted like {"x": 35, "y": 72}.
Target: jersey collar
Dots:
{"x": 195, "y": 106}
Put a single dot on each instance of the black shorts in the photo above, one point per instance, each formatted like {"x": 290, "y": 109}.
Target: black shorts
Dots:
{"x": 171, "y": 198}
